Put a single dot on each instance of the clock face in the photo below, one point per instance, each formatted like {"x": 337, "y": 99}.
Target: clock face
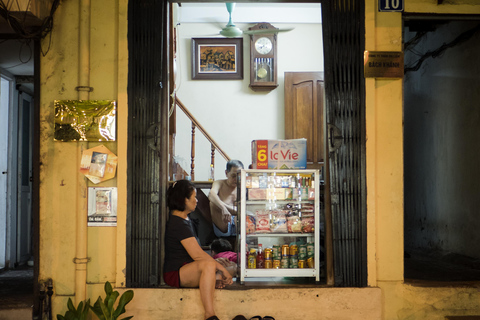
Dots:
{"x": 263, "y": 45}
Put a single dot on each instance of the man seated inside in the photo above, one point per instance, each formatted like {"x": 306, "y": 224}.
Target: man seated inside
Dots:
{"x": 222, "y": 196}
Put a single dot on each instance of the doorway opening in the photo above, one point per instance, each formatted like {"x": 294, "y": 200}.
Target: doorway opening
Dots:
{"x": 353, "y": 125}
{"x": 16, "y": 164}
{"x": 442, "y": 176}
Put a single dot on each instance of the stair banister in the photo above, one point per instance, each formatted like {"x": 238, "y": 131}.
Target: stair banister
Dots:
{"x": 196, "y": 124}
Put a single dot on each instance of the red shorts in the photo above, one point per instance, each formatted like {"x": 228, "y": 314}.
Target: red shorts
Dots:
{"x": 172, "y": 278}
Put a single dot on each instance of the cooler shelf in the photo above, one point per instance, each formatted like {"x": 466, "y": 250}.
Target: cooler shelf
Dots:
{"x": 260, "y": 235}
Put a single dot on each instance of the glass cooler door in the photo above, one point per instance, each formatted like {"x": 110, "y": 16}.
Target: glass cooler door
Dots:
{"x": 279, "y": 212}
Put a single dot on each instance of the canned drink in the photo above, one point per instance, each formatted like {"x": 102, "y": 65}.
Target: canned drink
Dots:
{"x": 293, "y": 250}
{"x": 302, "y": 252}
{"x": 268, "y": 254}
{"x": 310, "y": 263}
{"x": 284, "y": 263}
{"x": 293, "y": 262}
{"x": 310, "y": 249}
{"x": 285, "y": 251}
{"x": 268, "y": 264}
{"x": 276, "y": 264}
{"x": 276, "y": 252}
{"x": 252, "y": 260}
{"x": 301, "y": 264}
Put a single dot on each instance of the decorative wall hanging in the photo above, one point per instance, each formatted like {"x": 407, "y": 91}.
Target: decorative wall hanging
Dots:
{"x": 98, "y": 164}
{"x": 217, "y": 58}
{"x": 85, "y": 120}
{"x": 102, "y": 207}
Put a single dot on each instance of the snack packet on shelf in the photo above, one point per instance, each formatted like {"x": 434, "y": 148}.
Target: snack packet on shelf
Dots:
{"x": 294, "y": 224}
{"x": 262, "y": 221}
{"x": 278, "y": 221}
{"x": 308, "y": 223}
{"x": 250, "y": 224}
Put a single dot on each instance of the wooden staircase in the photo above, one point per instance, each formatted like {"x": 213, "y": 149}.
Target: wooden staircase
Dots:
{"x": 201, "y": 217}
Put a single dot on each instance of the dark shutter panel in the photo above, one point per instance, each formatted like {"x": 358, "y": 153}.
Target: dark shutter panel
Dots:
{"x": 147, "y": 113}
{"x": 344, "y": 43}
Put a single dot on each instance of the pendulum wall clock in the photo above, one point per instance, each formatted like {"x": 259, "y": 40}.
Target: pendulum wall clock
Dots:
{"x": 263, "y": 57}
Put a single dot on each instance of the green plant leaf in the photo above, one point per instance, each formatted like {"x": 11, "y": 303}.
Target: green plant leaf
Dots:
{"x": 104, "y": 308}
{"x": 79, "y": 313}
{"x": 86, "y": 309}
{"x": 105, "y": 312}
{"x": 70, "y": 305}
{"x": 69, "y": 315}
{"x": 97, "y": 308}
{"x": 126, "y": 297}
{"x": 127, "y": 318}
{"x": 108, "y": 288}
{"x": 111, "y": 301}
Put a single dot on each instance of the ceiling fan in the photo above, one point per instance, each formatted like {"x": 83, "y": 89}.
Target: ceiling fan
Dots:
{"x": 232, "y": 31}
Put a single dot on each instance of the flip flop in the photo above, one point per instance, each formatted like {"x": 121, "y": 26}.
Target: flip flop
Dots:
{"x": 240, "y": 317}
{"x": 213, "y": 318}
{"x": 256, "y": 318}
{"x": 268, "y": 318}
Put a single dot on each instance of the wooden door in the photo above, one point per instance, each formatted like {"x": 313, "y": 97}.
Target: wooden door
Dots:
{"x": 304, "y": 95}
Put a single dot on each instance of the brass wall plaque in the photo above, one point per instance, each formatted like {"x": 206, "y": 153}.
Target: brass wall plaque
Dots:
{"x": 383, "y": 64}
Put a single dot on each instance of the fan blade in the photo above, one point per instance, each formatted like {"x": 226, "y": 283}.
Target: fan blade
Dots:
{"x": 213, "y": 22}
{"x": 267, "y": 31}
{"x": 210, "y": 35}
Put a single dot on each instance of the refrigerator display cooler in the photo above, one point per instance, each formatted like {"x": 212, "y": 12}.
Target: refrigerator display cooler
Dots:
{"x": 278, "y": 231}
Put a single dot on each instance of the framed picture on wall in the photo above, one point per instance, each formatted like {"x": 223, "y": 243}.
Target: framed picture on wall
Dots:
{"x": 217, "y": 58}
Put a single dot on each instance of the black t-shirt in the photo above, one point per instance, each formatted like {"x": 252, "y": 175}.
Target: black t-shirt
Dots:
{"x": 177, "y": 229}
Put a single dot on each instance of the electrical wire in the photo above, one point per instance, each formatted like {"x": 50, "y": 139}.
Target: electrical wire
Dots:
{"x": 23, "y": 44}
{"x": 439, "y": 51}
{"x": 413, "y": 42}
{"x": 26, "y": 34}
{"x": 19, "y": 26}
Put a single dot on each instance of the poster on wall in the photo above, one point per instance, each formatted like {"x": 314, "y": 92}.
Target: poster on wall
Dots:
{"x": 98, "y": 164}
{"x": 102, "y": 207}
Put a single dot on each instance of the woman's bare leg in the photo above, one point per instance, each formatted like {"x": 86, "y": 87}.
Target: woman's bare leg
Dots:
{"x": 201, "y": 274}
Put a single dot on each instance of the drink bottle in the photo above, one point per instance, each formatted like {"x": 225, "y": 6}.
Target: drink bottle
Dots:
{"x": 260, "y": 257}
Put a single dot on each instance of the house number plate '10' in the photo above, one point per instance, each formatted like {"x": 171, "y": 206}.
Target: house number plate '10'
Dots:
{"x": 391, "y": 5}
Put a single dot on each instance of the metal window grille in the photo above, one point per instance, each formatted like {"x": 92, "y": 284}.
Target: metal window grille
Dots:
{"x": 147, "y": 116}
{"x": 344, "y": 43}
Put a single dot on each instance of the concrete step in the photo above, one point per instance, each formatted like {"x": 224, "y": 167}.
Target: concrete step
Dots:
{"x": 16, "y": 314}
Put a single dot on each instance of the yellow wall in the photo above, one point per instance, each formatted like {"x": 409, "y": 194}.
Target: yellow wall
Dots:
{"x": 63, "y": 190}
{"x": 384, "y": 117}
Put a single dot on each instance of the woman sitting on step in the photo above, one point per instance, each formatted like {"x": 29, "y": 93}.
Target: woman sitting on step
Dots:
{"x": 186, "y": 264}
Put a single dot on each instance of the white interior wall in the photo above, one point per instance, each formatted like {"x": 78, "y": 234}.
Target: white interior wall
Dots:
{"x": 442, "y": 116}
{"x": 229, "y": 110}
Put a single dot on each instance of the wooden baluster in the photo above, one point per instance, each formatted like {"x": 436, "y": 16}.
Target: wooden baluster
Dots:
{"x": 212, "y": 160}
{"x": 192, "y": 166}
